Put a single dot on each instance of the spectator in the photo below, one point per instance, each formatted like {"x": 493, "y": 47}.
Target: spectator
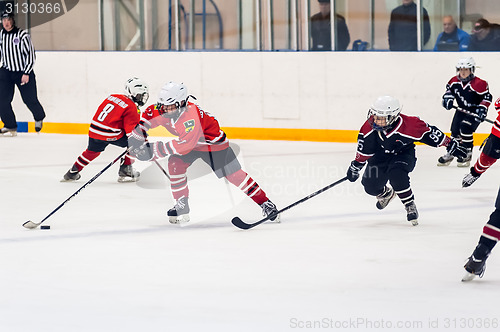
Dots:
{"x": 321, "y": 30}
{"x": 18, "y": 58}
{"x": 485, "y": 36}
{"x": 452, "y": 38}
{"x": 403, "y": 27}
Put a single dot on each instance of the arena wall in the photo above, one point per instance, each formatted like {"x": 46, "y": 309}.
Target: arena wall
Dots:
{"x": 315, "y": 96}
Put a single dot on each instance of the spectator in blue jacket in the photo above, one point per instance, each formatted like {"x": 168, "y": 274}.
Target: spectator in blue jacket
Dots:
{"x": 452, "y": 38}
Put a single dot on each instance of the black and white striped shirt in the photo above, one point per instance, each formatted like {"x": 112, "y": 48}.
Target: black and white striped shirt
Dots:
{"x": 16, "y": 50}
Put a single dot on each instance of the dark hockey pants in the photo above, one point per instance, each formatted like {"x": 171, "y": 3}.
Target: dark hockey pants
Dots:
{"x": 393, "y": 168}
{"x": 463, "y": 126}
{"x": 8, "y": 80}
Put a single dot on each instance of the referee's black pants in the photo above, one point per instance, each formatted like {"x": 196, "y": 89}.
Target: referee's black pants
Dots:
{"x": 8, "y": 79}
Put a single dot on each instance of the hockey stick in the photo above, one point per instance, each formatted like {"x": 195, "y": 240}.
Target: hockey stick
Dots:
{"x": 162, "y": 169}
{"x": 471, "y": 114}
{"x": 31, "y": 225}
{"x": 243, "y": 225}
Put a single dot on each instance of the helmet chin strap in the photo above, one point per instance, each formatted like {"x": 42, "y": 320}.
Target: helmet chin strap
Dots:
{"x": 467, "y": 79}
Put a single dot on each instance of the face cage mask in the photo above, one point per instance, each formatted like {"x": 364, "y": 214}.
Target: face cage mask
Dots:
{"x": 468, "y": 78}
{"x": 141, "y": 99}
{"x": 389, "y": 121}
{"x": 173, "y": 114}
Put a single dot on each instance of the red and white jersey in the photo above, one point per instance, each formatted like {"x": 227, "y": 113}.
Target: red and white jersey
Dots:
{"x": 196, "y": 130}
{"x": 495, "y": 130}
{"x": 116, "y": 116}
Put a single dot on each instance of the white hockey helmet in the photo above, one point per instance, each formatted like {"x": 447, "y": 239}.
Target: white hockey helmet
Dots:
{"x": 384, "y": 112}
{"x": 137, "y": 90}
{"x": 467, "y": 63}
{"x": 172, "y": 93}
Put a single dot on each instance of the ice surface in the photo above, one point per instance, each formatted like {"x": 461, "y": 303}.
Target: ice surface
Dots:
{"x": 112, "y": 262}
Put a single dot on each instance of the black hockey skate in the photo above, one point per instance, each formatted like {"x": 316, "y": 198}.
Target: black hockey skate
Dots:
{"x": 8, "y": 132}
{"x": 385, "y": 197}
{"x": 474, "y": 265}
{"x": 470, "y": 178}
{"x": 268, "y": 208}
{"x": 412, "y": 213}
{"x": 128, "y": 174}
{"x": 38, "y": 126}
{"x": 71, "y": 175}
{"x": 465, "y": 162}
{"x": 445, "y": 160}
{"x": 179, "y": 214}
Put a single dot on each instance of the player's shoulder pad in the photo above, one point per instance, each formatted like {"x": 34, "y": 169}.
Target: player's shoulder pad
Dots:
{"x": 366, "y": 129}
{"x": 453, "y": 80}
{"x": 150, "y": 112}
{"x": 479, "y": 85}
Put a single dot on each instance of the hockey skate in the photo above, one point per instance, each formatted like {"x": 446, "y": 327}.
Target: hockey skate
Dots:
{"x": 71, "y": 175}
{"x": 470, "y": 178}
{"x": 268, "y": 208}
{"x": 412, "y": 213}
{"x": 385, "y": 198}
{"x": 8, "y": 132}
{"x": 474, "y": 266}
{"x": 179, "y": 214}
{"x": 38, "y": 126}
{"x": 465, "y": 162}
{"x": 128, "y": 174}
{"x": 445, "y": 160}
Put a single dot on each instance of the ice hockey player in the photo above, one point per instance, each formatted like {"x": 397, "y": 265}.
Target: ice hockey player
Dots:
{"x": 386, "y": 144}
{"x": 115, "y": 118}
{"x": 199, "y": 137}
{"x": 489, "y": 154}
{"x": 475, "y": 265}
{"x": 472, "y": 95}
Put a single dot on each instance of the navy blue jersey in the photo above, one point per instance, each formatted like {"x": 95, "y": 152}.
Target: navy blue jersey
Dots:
{"x": 471, "y": 94}
{"x": 401, "y": 137}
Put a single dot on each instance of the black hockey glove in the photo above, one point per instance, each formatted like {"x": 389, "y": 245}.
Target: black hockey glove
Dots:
{"x": 456, "y": 149}
{"x": 448, "y": 99}
{"x": 481, "y": 112}
{"x": 354, "y": 169}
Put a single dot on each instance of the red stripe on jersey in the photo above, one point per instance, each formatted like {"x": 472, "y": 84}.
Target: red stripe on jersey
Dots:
{"x": 491, "y": 232}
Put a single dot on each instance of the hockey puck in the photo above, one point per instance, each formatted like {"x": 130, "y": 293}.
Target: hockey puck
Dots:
{"x": 45, "y": 227}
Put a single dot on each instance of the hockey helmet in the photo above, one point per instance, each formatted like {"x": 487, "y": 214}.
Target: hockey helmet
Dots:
{"x": 172, "y": 99}
{"x": 384, "y": 112}
{"x": 137, "y": 90}
{"x": 467, "y": 63}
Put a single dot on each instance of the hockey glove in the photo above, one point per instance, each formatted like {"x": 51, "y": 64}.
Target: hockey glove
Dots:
{"x": 456, "y": 149}
{"x": 150, "y": 151}
{"x": 353, "y": 171}
{"x": 448, "y": 99}
{"x": 136, "y": 138}
{"x": 481, "y": 112}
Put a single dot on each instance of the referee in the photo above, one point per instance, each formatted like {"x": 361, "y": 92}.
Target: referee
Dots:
{"x": 18, "y": 57}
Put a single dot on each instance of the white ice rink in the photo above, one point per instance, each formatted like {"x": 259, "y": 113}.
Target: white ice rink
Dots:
{"x": 112, "y": 262}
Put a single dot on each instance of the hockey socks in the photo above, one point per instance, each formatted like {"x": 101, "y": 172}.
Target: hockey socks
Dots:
{"x": 483, "y": 163}
{"x": 84, "y": 159}
{"x": 248, "y": 185}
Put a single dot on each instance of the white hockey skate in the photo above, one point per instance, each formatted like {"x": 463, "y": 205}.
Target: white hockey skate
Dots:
{"x": 8, "y": 132}
{"x": 465, "y": 162}
{"x": 268, "y": 208}
{"x": 128, "y": 174}
{"x": 385, "y": 197}
{"x": 445, "y": 160}
{"x": 179, "y": 214}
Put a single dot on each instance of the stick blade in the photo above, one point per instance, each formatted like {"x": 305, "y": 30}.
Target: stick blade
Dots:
{"x": 236, "y": 221}
{"x": 31, "y": 225}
